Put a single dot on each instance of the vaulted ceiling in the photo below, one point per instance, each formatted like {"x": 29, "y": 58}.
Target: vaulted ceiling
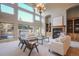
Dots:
{"x": 60, "y": 5}
{"x": 51, "y": 7}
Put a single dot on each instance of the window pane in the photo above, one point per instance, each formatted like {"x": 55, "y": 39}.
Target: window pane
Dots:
{"x": 7, "y": 9}
{"x": 6, "y": 31}
{"x": 25, "y": 6}
{"x": 37, "y": 18}
{"x": 37, "y": 12}
{"x": 24, "y": 16}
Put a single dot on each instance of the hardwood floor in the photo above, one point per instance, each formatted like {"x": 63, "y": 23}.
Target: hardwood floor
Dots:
{"x": 74, "y": 49}
{"x": 73, "y": 52}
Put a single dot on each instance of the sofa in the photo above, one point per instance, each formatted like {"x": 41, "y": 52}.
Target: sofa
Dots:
{"x": 60, "y": 45}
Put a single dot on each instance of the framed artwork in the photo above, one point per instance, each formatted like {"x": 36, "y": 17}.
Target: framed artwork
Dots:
{"x": 58, "y": 21}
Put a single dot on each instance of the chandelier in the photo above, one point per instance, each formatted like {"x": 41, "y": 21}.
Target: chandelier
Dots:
{"x": 40, "y": 7}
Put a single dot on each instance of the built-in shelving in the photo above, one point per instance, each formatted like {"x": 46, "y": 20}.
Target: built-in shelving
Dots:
{"x": 73, "y": 26}
{"x": 69, "y": 26}
{"x": 76, "y": 26}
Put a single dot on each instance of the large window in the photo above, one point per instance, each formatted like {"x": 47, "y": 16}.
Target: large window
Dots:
{"x": 37, "y": 12}
{"x": 25, "y": 6}
{"x": 7, "y": 9}
{"x": 37, "y": 18}
{"x": 6, "y": 31}
{"x": 25, "y": 16}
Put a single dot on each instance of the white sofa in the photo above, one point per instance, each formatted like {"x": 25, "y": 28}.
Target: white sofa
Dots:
{"x": 60, "y": 45}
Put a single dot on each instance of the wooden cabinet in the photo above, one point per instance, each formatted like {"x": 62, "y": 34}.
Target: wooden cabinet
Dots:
{"x": 73, "y": 29}
{"x": 69, "y": 26}
{"x": 73, "y": 26}
{"x": 76, "y": 26}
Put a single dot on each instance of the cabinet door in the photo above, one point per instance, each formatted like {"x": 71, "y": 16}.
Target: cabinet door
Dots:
{"x": 76, "y": 26}
{"x": 69, "y": 26}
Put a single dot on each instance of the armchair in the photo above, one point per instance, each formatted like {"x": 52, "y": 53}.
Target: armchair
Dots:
{"x": 60, "y": 45}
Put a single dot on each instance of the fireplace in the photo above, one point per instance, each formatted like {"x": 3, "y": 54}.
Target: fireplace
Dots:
{"x": 56, "y": 32}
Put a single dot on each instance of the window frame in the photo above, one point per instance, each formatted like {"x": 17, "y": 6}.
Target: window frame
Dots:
{"x": 36, "y": 18}
{"x": 25, "y": 7}
{"x": 20, "y": 19}
{"x": 12, "y": 9}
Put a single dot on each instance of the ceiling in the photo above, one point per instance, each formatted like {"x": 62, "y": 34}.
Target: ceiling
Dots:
{"x": 60, "y": 5}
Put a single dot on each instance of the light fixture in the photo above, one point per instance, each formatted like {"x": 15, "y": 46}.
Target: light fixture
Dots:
{"x": 40, "y": 7}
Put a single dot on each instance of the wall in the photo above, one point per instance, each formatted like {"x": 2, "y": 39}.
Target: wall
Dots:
{"x": 47, "y": 21}
{"x": 58, "y": 9}
{"x": 56, "y": 12}
{"x": 73, "y": 12}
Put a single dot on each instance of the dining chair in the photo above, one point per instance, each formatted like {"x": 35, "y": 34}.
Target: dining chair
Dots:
{"x": 21, "y": 42}
{"x": 30, "y": 45}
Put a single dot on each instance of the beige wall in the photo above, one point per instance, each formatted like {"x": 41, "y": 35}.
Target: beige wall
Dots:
{"x": 73, "y": 12}
{"x": 55, "y": 13}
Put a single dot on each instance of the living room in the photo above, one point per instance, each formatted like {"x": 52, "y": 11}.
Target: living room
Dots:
{"x": 55, "y": 29}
